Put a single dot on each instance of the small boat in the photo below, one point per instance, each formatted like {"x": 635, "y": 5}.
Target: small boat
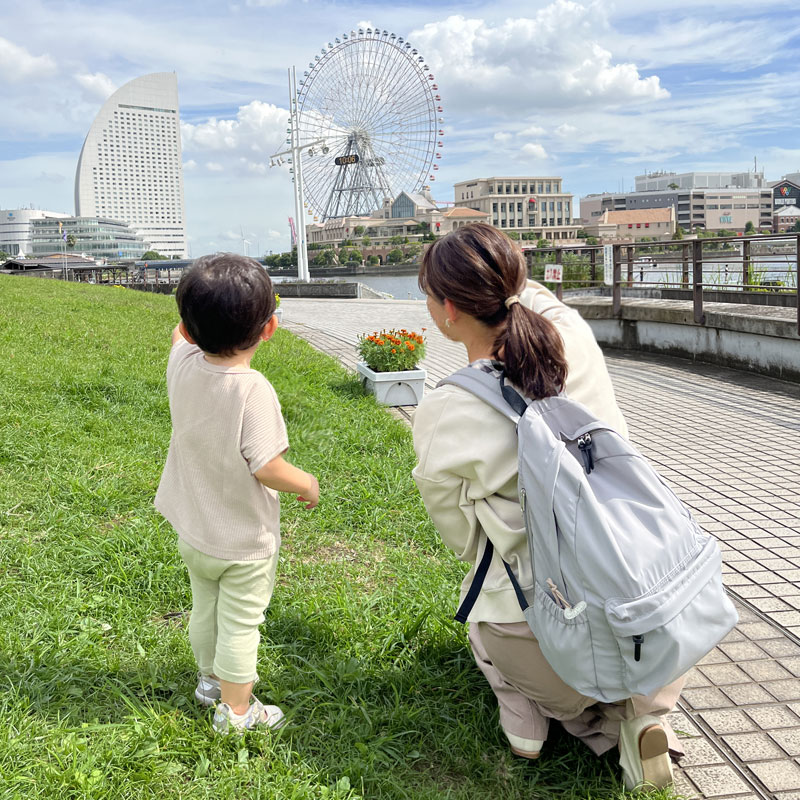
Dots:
{"x": 645, "y": 260}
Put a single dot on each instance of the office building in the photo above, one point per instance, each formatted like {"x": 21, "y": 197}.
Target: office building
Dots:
{"x": 534, "y": 207}
{"x": 16, "y": 231}
{"x": 130, "y": 165}
{"x": 710, "y": 209}
{"x": 93, "y": 237}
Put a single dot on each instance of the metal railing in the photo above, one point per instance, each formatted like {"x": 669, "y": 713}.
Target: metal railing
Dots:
{"x": 755, "y": 269}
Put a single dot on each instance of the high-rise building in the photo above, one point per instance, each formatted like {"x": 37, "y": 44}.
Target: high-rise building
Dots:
{"x": 130, "y": 164}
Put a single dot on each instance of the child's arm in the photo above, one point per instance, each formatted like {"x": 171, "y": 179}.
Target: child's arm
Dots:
{"x": 282, "y": 476}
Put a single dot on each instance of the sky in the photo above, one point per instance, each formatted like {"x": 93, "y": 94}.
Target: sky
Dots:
{"x": 596, "y": 92}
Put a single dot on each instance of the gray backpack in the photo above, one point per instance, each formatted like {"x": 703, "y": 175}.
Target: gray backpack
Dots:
{"x": 627, "y": 591}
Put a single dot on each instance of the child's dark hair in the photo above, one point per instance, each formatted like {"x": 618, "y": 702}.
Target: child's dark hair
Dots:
{"x": 224, "y": 301}
{"x": 478, "y": 268}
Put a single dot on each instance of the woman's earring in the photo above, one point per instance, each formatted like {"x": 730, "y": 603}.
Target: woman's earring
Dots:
{"x": 447, "y": 323}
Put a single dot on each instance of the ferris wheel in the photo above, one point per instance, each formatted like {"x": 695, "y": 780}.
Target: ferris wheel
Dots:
{"x": 368, "y": 122}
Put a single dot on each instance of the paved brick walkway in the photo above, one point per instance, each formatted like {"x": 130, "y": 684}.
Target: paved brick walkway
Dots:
{"x": 729, "y": 443}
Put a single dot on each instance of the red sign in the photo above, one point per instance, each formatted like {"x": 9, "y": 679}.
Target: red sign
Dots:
{"x": 553, "y": 273}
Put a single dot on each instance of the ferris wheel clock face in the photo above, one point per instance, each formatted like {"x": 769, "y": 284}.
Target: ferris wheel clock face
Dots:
{"x": 373, "y": 103}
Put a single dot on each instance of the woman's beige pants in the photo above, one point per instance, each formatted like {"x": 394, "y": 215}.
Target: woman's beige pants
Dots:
{"x": 530, "y": 693}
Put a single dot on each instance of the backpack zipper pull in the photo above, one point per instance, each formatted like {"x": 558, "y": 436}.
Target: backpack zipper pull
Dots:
{"x": 638, "y": 641}
{"x": 585, "y": 446}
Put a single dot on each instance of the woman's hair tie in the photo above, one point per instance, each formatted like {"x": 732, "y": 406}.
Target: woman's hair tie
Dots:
{"x": 511, "y": 300}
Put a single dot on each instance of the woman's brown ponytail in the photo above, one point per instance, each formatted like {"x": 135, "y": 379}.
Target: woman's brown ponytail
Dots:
{"x": 478, "y": 269}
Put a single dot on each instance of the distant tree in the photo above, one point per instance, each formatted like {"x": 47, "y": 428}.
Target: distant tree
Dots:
{"x": 325, "y": 258}
{"x": 591, "y": 240}
{"x": 413, "y": 250}
{"x": 542, "y": 243}
{"x": 395, "y": 256}
{"x": 422, "y": 227}
{"x": 678, "y": 235}
{"x": 374, "y": 260}
{"x": 581, "y": 234}
{"x": 513, "y": 235}
{"x": 71, "y": 240}
{"x": 355, "y": 255}
{"x": 796, "y": 227}
{"x": 288, "y": 259}
{"x": 346, "y": 243}
{"x": 150, "y": 255}
{"x": 749, "y": 228}
{"x": 315, "y": 246}
{"x": 4, "y": 256}
{"x": 272, "y": 260}
{"x": 366, "y": 241}
{"x": 673, "y": 186}
{"x": 358, "y": 230}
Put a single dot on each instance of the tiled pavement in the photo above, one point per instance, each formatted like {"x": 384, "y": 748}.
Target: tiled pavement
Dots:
{"x": 729, "y": 443}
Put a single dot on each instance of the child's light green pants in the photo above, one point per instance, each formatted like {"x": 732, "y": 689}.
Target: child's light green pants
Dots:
{"x": 228, "y": 603}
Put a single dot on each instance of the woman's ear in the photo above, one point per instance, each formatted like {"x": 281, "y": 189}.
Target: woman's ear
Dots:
{"x": 185, "y": 333}
{"x": 451, "y": 312}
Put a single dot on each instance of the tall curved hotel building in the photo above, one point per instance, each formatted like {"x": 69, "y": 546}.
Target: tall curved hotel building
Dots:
{"x": 130, "y": 164}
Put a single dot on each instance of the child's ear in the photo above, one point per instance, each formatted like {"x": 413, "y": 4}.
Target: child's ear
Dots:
{"x": 269, "y": 328}
{"x": 185, "y": 333}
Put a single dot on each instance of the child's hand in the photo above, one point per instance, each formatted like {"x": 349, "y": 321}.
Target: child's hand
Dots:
{"x": 310, "y": 497}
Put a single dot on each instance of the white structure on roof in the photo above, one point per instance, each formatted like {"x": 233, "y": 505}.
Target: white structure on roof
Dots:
{"x": 130, "y": 164}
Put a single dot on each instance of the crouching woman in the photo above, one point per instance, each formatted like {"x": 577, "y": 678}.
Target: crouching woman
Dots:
{"x": 477, "y": 294}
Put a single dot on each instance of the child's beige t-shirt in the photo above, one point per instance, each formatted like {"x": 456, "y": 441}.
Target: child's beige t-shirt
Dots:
{"x": 226, "y": 424}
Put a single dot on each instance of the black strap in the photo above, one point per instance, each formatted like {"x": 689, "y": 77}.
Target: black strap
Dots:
{"x": 477, "y": 583}
{"x": 523, "y": 603}
{"x": 513, "y": 397}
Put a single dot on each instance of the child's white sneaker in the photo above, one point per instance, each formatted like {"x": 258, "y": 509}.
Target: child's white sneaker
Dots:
{"x": 644, "y": 754}
{"x": 208, "y": 690}
{"x": 226, "y": 721}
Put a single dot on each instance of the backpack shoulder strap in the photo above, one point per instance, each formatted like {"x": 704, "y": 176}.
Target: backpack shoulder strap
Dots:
{"x": 493, "y": 391}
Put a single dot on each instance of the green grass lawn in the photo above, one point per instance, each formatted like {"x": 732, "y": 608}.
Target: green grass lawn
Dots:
{"x": 96, "y": 672}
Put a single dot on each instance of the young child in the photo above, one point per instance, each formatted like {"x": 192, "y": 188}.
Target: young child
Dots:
{"x": 224, "y": 469}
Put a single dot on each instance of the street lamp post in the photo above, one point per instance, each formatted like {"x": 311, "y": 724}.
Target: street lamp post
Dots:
{"x": 295, "y": 152}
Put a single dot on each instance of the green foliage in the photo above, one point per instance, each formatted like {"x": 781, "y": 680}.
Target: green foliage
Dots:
{"x": 397, "y": 240}
{"x": 513, "y": 235}
{"x": 346, "y": 243}
{"x": 288, "y": 259}
{"x": 591, "y": 240}
{"x": 391, "y": 351}
{"x": 374, "y": 260}
{"x": 366, "y": 241}
{"x": 71, "y": 240}
{"x": 395, "y": 256}
{"x": 749, "y": 228}
{"x": 429, "y": 237}
{"x": 581, "y": 234}
{"x": 796, "y": 227}
{"x": 150, "y": 255}
{"x": 4, "y": 256}
{"x": 542, "y": 243}
{"x": 678, "y": 235}
{"x": 315, "y": 246}
{"x": 356, "y": 255}
{"x": 674, "y": 186}
{"x": 325, "y": 258}
{"x": 358, "y": 230}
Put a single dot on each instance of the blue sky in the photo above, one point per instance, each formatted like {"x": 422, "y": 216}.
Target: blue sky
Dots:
{"x": 596, "y": 92}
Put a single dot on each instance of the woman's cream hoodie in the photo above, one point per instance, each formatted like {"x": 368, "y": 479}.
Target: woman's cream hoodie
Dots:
{"x": 467, "y": 462}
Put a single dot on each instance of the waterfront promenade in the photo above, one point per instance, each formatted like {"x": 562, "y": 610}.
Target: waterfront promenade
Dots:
{"x": 729, "y": 443}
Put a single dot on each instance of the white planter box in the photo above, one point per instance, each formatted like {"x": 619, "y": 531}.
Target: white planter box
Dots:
{"x": 279, "y": 314}
{"x": 393, "y": 388}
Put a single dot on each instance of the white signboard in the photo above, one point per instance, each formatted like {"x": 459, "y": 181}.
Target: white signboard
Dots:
{"x": 608, "y": 264}
{"x": 553, "y": 273}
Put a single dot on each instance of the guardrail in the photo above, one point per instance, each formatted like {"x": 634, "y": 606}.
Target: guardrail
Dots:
{"x": 741, "y": 266}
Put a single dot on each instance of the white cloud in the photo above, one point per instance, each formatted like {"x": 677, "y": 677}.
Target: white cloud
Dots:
{"x": 214, "y": 166}
{"x": 502, "y": 137}
{"x": 17, "y": 64}
{"x": 532, "y": 130}
{"x": 364, "y": 24}
{"x": 565, "y": 130}
{"x": 553, "y": 59}
{"x": 189, "y": 165}
{"x": 97, "y": 86}
{"x": 535, "y": 150}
